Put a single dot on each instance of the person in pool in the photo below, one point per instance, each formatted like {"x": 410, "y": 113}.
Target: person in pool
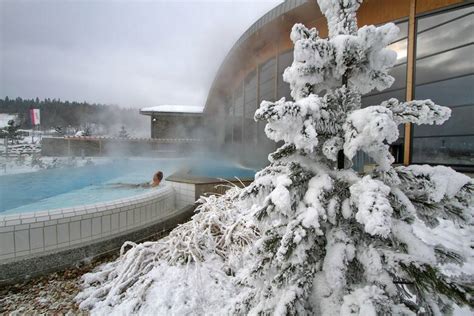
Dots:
{"x": 157, "y": 177}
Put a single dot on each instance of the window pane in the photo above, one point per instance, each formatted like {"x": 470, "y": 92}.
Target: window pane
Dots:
{"x": 229, "y": 124}
{"x": 444, "y": 150}
{"x": 400, "y": 74}
{"x": 238, "y": 102}
{"x": 401, "y": 48}
{"x": 444, "y": 31}
{"x": 403, "y": 26}
{"x": 284, "y": 60}
{"x": 453, "y": 63}
{"x": 267, "y": 81}
{"x": 444, "y": 73}
{"x": 460, "y": 123}
{"x": 434, "y": 20}
{"x": 250, "y": 126}
{"x": 250, "y": 95}
{"x": 267, "y": 91}
{"x": 458, "y": 91}
{"x": 399, "y": 71}
{"x": 238, "y": 114}
{"x": 376, "y": 99}
{"x": 396, "y": 147}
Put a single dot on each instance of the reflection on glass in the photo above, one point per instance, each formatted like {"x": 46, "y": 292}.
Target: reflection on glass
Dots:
{"x": 284, "y": 60}
{"x": 399, "y": 71}
{"x": 403, "y": 26}
{"x": 443, "y": 150}
{"x": 267, "y": 81}
{"x": 444, "y": 73}
{"x": 238, "y": 101}
{"x": 376, "y": 99}
{"x": 229, "y": 124}
{"x": 444, "y": 33}
{"x": 452, "y": 92}
{"x": 397, "y": 90}
{"x": 436, "y": 20}
{"x": 400, "y": 48}
{"x": 453, "y": 63}
{"x": 250, "y": 95}
{"x": 238, "y": 114}
{"x": 460, "y": 123}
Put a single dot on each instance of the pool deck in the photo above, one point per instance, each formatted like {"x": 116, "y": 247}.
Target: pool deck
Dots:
{"x": 190, "y": 187}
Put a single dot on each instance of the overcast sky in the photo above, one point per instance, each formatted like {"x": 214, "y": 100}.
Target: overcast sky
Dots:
{"x": 129, "y": 53}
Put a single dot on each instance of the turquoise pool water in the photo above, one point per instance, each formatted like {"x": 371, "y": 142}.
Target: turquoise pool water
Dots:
{"x": 61, "y": 188}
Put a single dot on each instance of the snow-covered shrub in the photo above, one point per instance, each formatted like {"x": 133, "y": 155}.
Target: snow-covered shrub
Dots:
{"x": 309, "y": 237}
{"x": 213, "y": 241}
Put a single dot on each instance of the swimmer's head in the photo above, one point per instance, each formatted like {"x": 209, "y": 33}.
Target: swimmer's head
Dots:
{"x": 157, "y": 177}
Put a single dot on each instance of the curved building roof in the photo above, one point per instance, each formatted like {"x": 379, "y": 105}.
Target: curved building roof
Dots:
{"x": 269, "y": 36}
{"x": 271, "y": 15}
{"x": 261, "y": 29}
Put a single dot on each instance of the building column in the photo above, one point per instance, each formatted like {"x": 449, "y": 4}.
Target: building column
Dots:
{"x": 410, "y": 79}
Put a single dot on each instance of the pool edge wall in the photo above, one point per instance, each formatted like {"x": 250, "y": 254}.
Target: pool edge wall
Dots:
{"x": 189, "y": 188}
{"x": 32, "y": 244}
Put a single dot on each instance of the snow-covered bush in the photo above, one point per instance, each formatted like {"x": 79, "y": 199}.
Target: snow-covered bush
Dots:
{"x": 309, "y": 237}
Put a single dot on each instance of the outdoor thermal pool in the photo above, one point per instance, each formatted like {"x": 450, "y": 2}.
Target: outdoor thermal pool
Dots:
{"x": 53, "y": 218}
{"x": 69, "y": 187}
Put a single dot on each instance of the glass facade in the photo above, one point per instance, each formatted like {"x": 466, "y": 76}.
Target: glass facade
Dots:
{"x": 229, "y": 121}
{"x": 284, "y": 60}
{"x": 250, "y": 106}
{"x": 263, "y": 83}
{"x": 267, "y": 75}
{"x": 238, "y": 114}
{"x": 397, "y": 91}
{"x": 444, "y": 72}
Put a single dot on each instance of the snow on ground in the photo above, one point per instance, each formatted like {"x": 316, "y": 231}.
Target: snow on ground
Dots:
{"x": 193, "y": 289}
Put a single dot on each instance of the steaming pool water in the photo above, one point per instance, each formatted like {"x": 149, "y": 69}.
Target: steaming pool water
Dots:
{"x": 69, "y": 187}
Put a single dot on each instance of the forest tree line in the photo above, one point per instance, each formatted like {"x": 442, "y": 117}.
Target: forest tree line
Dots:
{"x": 57, "y": 113}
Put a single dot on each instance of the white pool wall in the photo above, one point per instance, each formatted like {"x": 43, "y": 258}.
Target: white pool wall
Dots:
{"x": 185, "y": 193}
{"x": 29, "y": 235}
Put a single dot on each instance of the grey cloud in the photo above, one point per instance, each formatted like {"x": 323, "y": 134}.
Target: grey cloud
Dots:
{"x": 130, "y": 53}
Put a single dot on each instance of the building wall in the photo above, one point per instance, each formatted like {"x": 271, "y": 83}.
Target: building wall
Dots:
{"x": 117, "y": 147}
{"x": 443, "y": 70}
{"x": 176, "y": 126}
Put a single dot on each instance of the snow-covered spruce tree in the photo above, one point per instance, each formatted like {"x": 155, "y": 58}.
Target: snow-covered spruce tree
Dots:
{"x": 332, "y": 242}
{"x": 307, "y": 237}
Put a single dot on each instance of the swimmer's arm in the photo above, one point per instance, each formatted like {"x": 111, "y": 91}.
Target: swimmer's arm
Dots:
{"x": 124, "y": 185}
